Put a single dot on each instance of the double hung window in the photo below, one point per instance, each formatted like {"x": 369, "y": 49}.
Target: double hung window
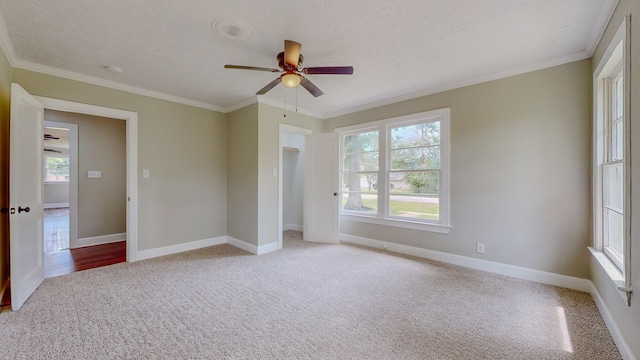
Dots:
{"x": 396, "y": 171}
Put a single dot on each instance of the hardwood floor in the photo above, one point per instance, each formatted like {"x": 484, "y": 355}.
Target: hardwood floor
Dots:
{"x": 67, "y": 261}
{"x": 56, "y": 229}
{"x": 59, "y": 260}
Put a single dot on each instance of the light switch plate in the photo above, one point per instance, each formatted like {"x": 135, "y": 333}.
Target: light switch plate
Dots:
{"x": 146, "y": 174}
{"x": 94, "y": 174}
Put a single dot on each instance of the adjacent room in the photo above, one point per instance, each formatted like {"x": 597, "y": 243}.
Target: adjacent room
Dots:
{"x": 449, "y": 179}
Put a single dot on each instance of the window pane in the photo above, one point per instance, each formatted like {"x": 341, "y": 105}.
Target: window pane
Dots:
{"x": 361, "y": 142}
{"x": 362, "y": 202}
{"x": 420, "y": 158}
{"x": 613, "y": 233}
{"x": 618, "y": 148}
{"x": 363, "y": 161}
{"x": 619, "y": 97}
{"x": 613, "y": 183}
{"x": 360, "y": 181}
{"x": 57, "y": 168}
{"x": 415, "y": 135}
{"x": 414, "y": 182}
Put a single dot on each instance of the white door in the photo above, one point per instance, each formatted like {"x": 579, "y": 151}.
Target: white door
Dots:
{"x": 322, "y": 221}
{"x": 25, "y": 196}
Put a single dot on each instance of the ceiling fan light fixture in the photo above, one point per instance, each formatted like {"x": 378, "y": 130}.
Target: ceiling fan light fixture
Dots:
{"x": 290, "y": 80}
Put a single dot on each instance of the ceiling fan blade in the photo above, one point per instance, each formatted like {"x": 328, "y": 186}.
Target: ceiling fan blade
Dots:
{"x": 311, "y": 87}
{"x": 291, "y": 52}
{"x": 268, "y": 87}
{"x": 329, "y": 70}
{"x": 240, "y": 67}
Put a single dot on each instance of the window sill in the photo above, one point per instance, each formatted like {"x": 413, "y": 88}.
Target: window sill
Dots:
{"x": 56, "y": 182}
{"x": 612, "y": 272}
{"x": 440, "y": 229}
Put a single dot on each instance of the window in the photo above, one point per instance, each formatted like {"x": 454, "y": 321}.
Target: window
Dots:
{"x": 611, "y": 245}
{"x": 396, "y": 171}
{"x": 56, "y": 168}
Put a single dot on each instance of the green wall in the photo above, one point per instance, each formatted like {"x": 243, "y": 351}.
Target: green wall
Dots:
{"x": 5, "y": 96}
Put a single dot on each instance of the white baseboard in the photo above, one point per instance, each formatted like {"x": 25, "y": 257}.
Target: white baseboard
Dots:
{"x": 242, "y": 245}
{"x": 264, "y": 249}
{"x": 614, "y": 330}
{"x": 292, "y": 227}
{"x": 543, "y": 277}
{"x": 256, "y": 250}
{"x": 98, "y": 240}
{"x": 178, "y": 248}
{"x": 56, "y": 205}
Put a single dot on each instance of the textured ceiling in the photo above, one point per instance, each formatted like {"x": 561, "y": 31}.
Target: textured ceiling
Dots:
{"x": 398, "y": 48}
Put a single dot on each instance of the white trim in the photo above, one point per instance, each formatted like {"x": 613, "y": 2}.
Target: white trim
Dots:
{"x": 294, "y": 227}
{"x": 243, "y": 245}
{"x": 581, "y": 55}
{"x": 279, "y": 104}
{"x": 613, "y": 273}
{"x": 131, "y": 119}
{"x": 6, "y": 44}
{"x": 241, "y": 104}
{"x": 614, "y": 330}
{"x": 56, "y": 205}
{"x": 73, "y": 175}
{"x": 26, "y": 65}
{"x": 97, "y": 240}
{"x": 267, "y": 248}
{"x": 178, "y": 248}
{"x": 607, "y": 8}
{"x": 518, "y": 272}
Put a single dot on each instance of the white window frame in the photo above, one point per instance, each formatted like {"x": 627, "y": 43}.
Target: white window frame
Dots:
{"x": 48, "y": 155}
{"x": 615, "y": 61}
{"x": 382, "y": 217}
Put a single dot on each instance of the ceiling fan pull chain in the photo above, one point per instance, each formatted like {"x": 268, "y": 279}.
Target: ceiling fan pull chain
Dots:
{"x": 296, "y": 99}
{"x": 284, "y": 103}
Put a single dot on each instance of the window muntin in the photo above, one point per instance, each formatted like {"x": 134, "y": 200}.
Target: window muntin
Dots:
{"x": 613, "y": 170}
{"x": 411, "y": 170}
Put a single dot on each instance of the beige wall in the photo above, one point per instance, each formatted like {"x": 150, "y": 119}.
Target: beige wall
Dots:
{"x": 184, "y": 147}
{"x": 242, "y": 174}
{"x": 55, "y": 193}
{"x": 626, "y": 317}
{"x": 520, "y": 152}
{"x": 101, "y": 146}
{"x": 254, "y": 133}
{"x": 269, "y": 122}
{"x": 5, "y": 95}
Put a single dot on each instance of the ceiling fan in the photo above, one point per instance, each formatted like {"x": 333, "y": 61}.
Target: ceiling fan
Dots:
{"x": 290, "y": 62}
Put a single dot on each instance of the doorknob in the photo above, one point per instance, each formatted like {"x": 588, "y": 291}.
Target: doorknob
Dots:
{"x": 335, "y": 194}
{"x": 21, "y": 209}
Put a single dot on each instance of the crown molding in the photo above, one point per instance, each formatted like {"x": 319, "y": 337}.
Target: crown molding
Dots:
{"x": 5, "y": 43}
{"x": 278, "y": 104}
{"x": 26, "y": 65}
{"x": 241, "y": 104}
{"x": 607, "y": 8}
{"x": 456, "y": 85}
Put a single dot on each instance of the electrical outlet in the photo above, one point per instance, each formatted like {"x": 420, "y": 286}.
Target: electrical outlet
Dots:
{"x": 480, "y": 248}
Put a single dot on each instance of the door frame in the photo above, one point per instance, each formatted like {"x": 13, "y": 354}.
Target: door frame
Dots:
{"x": 284, "y": 128}
{"x": 131, "y": 119}
{"x": 73, "y": 175}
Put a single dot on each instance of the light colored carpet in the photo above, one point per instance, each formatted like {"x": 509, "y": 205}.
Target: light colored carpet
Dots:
{"x": 307, "y": 301}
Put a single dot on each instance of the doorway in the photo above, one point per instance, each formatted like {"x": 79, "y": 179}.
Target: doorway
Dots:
{"x": 97, "y": 209}
{"x": 291, "y": 183}
{"x": 130, "y": 120}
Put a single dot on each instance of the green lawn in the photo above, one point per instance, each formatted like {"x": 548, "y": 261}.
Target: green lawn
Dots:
{"x": 405, "y": 208}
